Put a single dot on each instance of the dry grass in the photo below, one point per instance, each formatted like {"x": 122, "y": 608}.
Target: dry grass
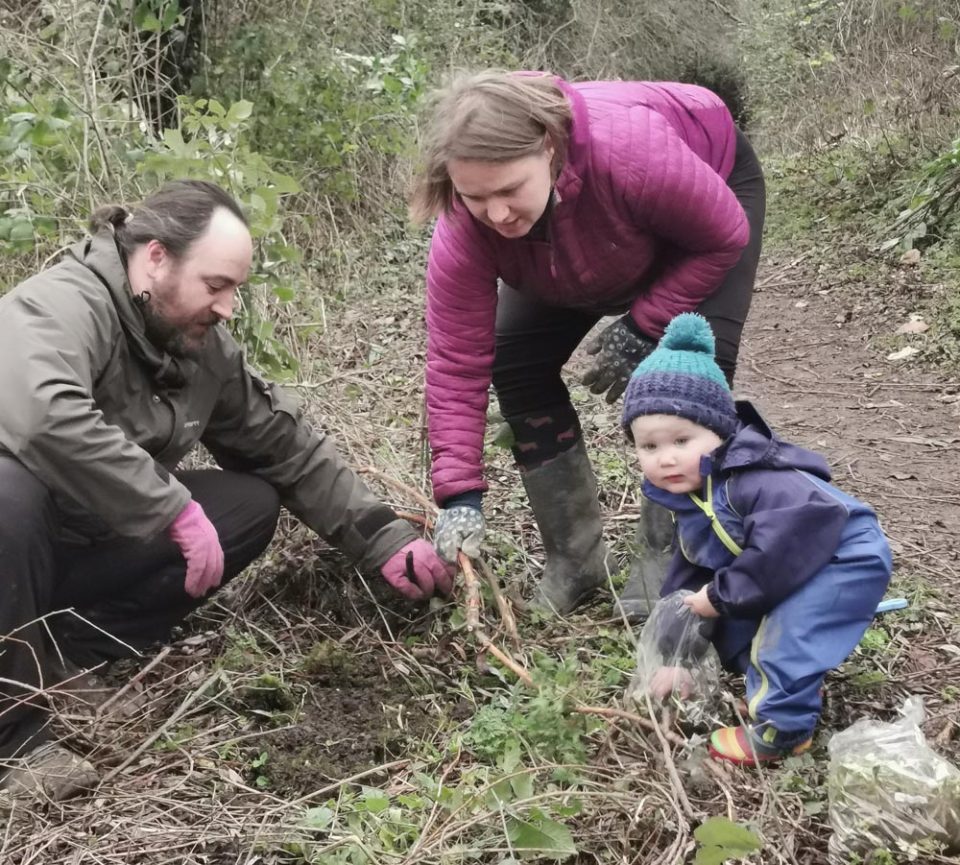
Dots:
{"x": 345, "y": 690}
{"x": 183, "y": 747}
{"x": 857, "y": 69}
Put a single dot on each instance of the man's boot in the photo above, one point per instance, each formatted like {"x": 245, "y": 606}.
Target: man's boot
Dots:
{"x": 652, "y": 552}
{"x": 49, "y": 771}
{"x": 563, "y": 495}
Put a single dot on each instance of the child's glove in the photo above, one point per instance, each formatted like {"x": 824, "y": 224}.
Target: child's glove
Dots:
{"x": 682, "y": 635}
{"x": 461, "y": 527}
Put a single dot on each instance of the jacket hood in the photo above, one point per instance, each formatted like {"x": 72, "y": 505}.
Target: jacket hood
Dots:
{"x": 755, "y": 445}
{"x": 101, "y": 255}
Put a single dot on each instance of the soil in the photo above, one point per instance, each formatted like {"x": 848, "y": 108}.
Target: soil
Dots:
{"x": 354, "y": 709}
{"x": 354, "y": 717}
{"x": 814, "y": 361}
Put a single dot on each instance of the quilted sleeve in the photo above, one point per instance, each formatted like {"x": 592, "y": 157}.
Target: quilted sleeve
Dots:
{"x": 677, "y": 197}
{"x": 461, "y": 311}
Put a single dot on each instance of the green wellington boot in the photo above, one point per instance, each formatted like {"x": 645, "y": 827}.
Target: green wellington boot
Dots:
{"x": 652, "y": 553}
{"x": 563, "y": 495}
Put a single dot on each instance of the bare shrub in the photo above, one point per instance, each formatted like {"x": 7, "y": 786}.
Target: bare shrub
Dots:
{"x": 827, "y": 69}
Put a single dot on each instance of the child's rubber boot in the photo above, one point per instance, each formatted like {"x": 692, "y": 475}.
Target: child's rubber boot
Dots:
{"x": 743, "y": 747}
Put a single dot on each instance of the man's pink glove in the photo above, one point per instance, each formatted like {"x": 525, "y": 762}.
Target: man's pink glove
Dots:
{"x": 417, "y": 572}
{"x": 198, "y": 541}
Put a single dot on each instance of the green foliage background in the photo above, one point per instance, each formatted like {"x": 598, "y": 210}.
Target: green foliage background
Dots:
{"x": 308, "y": 113}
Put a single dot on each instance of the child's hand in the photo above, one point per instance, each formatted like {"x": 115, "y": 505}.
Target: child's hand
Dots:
{"x": 668, "y": 680}
{"x": 701, "y": 605}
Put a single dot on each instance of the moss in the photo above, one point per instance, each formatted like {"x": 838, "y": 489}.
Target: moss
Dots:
{"x": 328, "y": 662}
{"x": 266, "y": 693}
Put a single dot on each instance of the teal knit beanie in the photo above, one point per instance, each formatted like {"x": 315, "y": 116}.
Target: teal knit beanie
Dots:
{"x": 680, "y": 377}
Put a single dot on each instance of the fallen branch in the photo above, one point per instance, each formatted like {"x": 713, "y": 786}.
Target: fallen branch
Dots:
{"x": 473, "y": 603}
{"x": 672, "y": 772}
{"x": 415, "y": 494}
{"x": 503, "y": 605}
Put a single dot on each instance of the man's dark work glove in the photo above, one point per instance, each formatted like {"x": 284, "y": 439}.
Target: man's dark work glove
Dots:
{"x": 619, "y": 348}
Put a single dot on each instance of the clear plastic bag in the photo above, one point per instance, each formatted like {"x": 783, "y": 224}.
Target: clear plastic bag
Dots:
{"x": 889, "y": 790}
{"x": 675, "y": 659}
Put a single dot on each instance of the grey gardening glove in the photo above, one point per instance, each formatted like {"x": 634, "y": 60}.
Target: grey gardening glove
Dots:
{"x": 619, "y": 348}
{"x": 460, "y": 526}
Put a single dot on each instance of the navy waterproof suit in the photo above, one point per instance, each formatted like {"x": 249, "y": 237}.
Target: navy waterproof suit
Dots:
{"x": 794, "y": 566}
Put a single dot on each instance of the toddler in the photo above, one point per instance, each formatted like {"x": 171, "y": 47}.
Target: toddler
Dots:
{"x": 790, "y": 568}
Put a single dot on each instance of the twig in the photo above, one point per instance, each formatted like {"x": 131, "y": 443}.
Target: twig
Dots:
{"x": 720, "y": 776}
{"x": 671, "y": 766}
{"x": 503, "y": 605}
{"x": 181, "y": 710}
{"x": 336, "y": 785}
{"x": 419, "y": 519}
{"x": 472, "y": 604}
{"x": 639, "y": 720}
{"x": 416, "y": 495}
{"x": 102, "y": 709}
{"x": 517, "y": 669}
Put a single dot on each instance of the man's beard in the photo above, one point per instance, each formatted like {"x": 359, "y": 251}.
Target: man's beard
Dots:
{"x": 165, "y": 335}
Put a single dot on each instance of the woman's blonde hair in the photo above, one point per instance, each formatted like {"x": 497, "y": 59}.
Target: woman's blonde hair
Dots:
{"x": 491, "y": 116}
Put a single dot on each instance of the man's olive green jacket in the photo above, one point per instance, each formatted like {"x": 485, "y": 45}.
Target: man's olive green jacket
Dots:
{"x": 102, "y": 417}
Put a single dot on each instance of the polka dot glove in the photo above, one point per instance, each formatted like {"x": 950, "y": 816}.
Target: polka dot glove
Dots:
{"x": 618, "y": 350}
{"x": 461, "y": 527}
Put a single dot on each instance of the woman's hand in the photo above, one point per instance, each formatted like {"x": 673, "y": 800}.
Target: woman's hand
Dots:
{"x": 619, "y": 348}
{"x": 461, "y": 527}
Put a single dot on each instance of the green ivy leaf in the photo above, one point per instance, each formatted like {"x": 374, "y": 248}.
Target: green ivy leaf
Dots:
{"x": 21, "y": 232}
{"x": 150, "y": 23}
{"x": 239, "y": 111}
{"x": 171, "y": 12}
{"x": 723, "y": 839}
{"x": 545, "y": 838}
{"x": 711, "y": 856}
{"x": 216, "y": 109}
{"x": 522, "y": 786}
{"x": 285, "y": 184}
{"x": 318, "y": 818}
{"x": 375, "y": 801}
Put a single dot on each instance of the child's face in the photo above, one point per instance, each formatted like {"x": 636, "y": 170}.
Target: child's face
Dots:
{"x": 670, "y": 448}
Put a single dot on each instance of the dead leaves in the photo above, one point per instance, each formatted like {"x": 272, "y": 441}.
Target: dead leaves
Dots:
{"x": 914, "y": 325}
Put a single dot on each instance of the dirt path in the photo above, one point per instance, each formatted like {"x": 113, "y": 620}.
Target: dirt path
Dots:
{"x": 892, "y": 433}
{"x": 816, "y": 360}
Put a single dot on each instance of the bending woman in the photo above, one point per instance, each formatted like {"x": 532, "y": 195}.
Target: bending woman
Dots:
{"x": 560, "y": 204}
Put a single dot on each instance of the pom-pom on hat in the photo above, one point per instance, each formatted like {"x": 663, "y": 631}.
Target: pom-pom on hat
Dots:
{"x": 681, "y": 377}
